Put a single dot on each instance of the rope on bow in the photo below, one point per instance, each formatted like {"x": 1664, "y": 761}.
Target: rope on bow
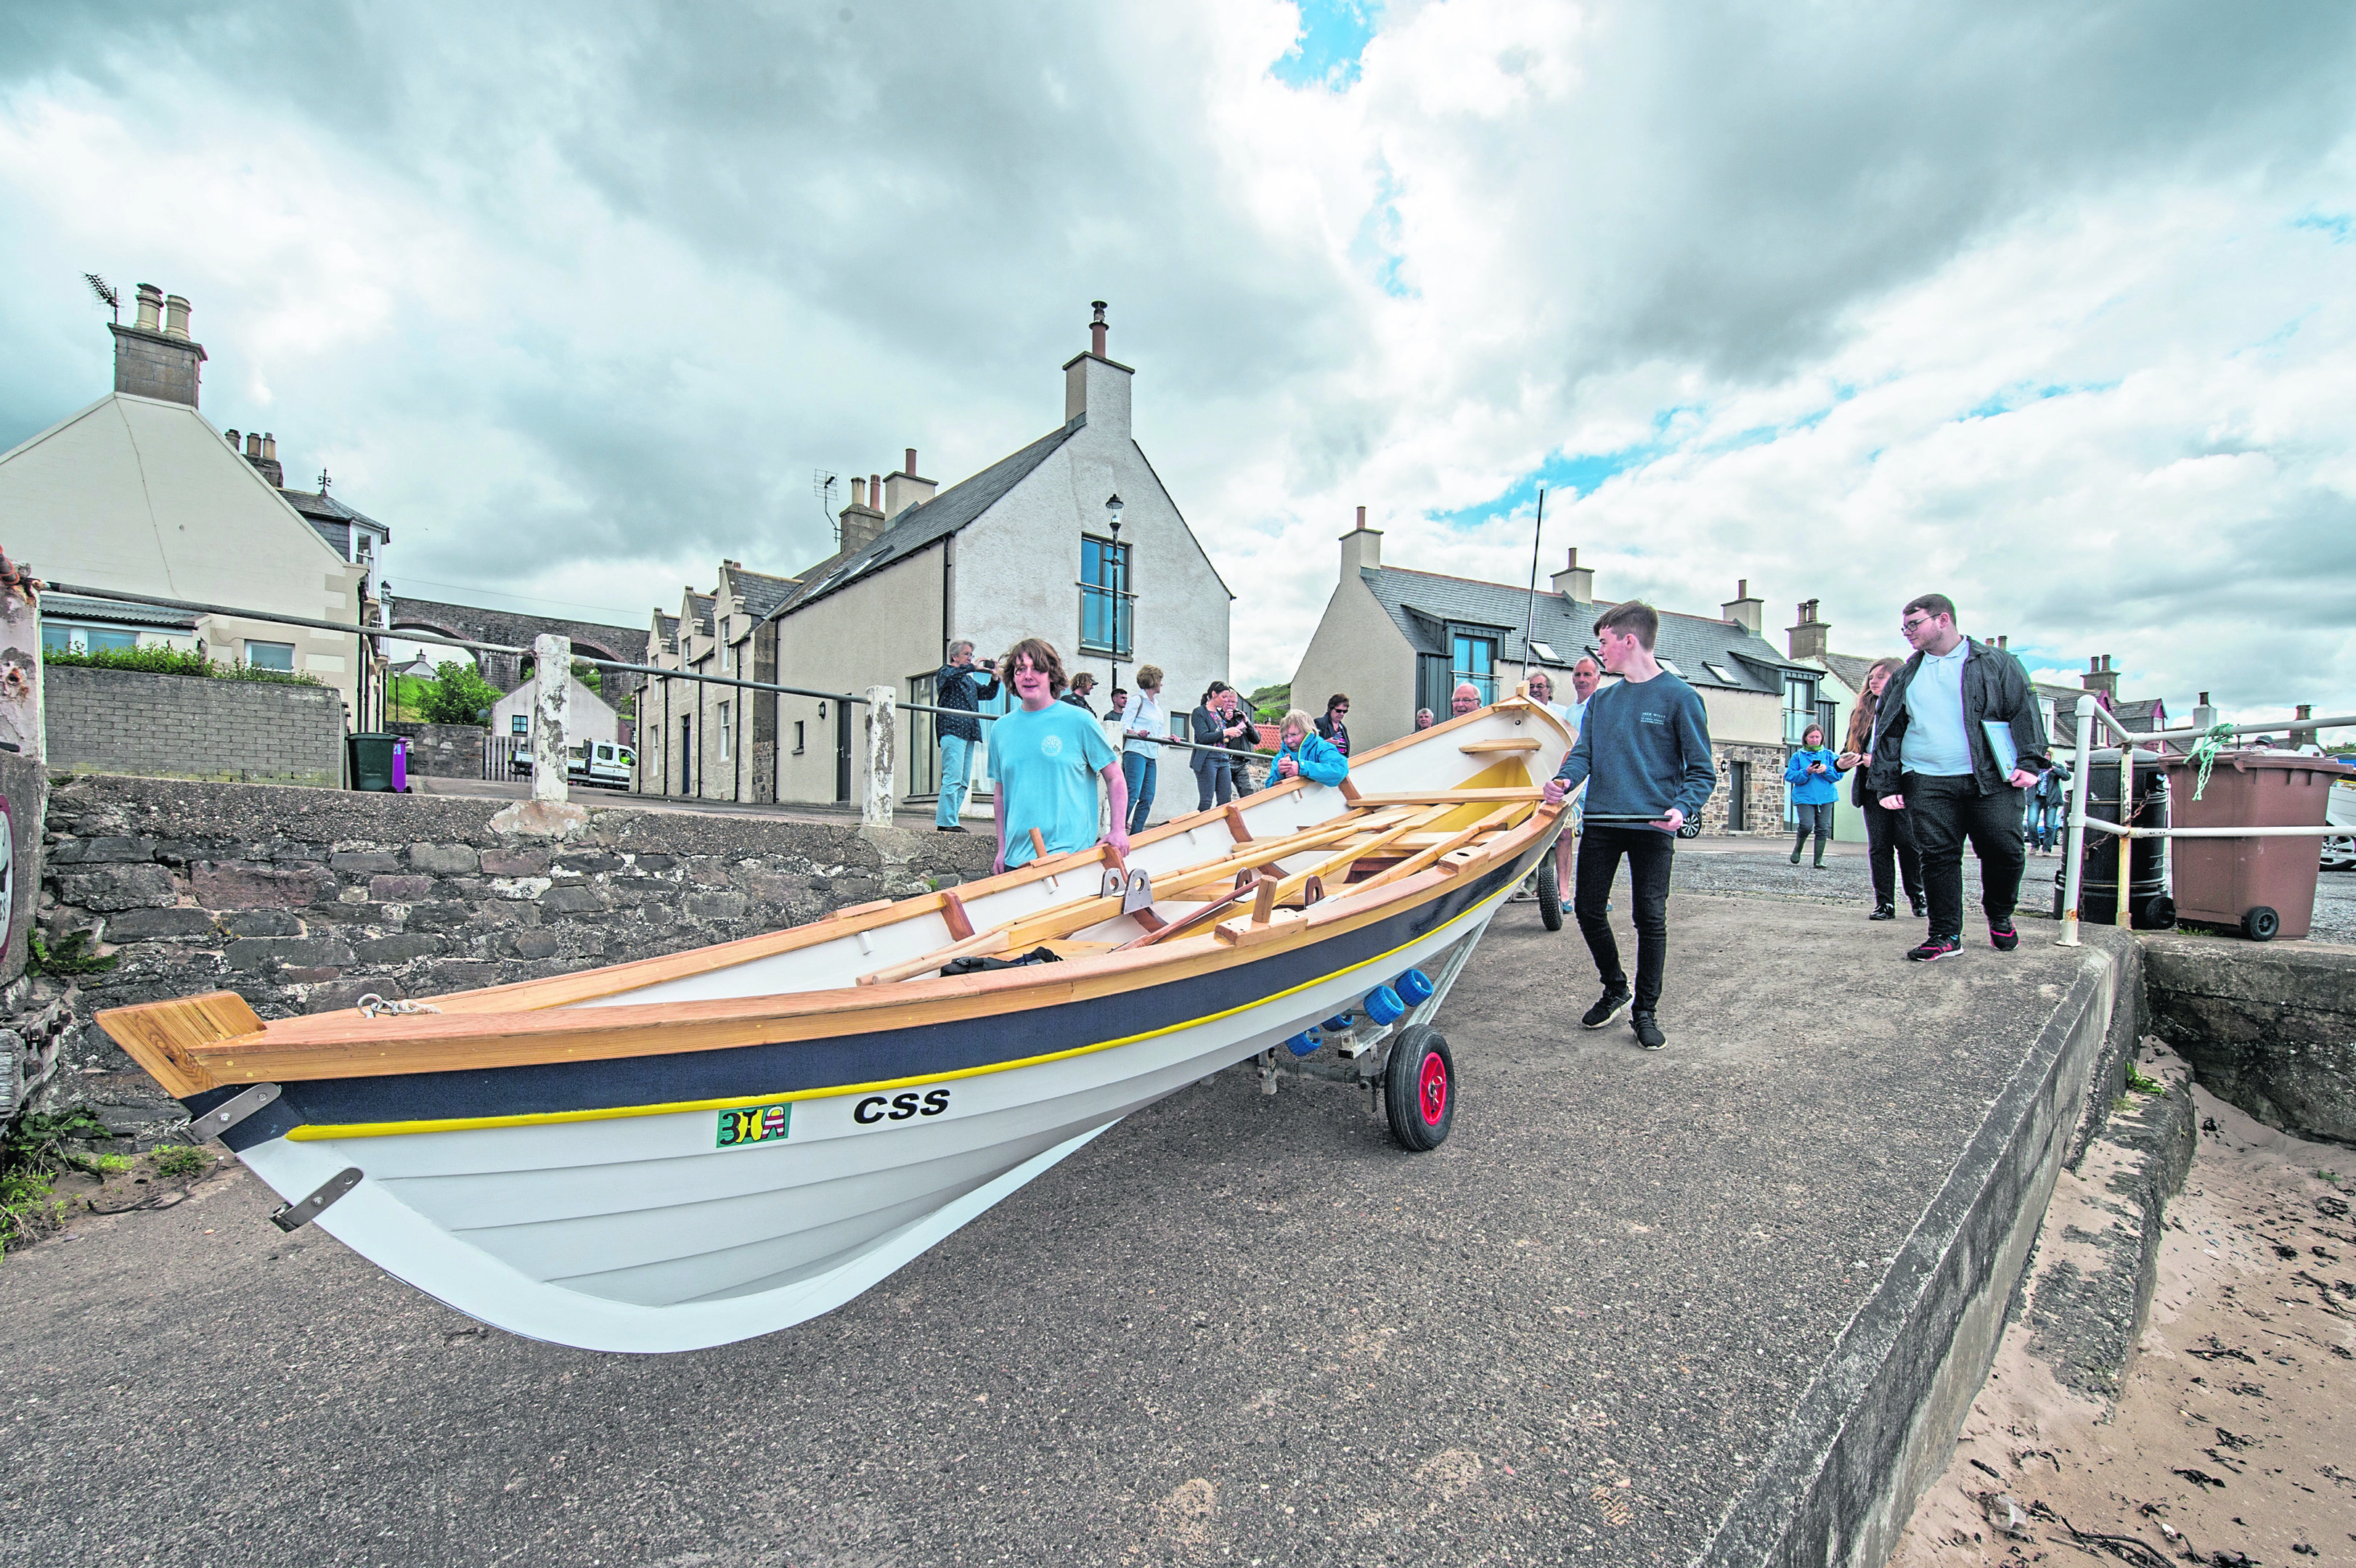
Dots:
{"x": 2204, "y": 752}
{"x": 373, "y": 1006}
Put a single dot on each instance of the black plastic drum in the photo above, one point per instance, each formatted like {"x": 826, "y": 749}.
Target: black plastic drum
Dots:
{"x": 2149, "y": 908}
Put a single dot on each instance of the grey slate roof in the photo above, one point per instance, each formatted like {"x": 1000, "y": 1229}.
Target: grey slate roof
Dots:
{"x": 321, "y": 508}
{"x": 696, "y": 611}
{"x": 1423, "y": 603}
{"x": 928, "y": 523}
{"x": 761, "y": 592}
{"x": 64, "y": 607}
{"x": 666, "y": 630}
{"x": 1850, "y": 668}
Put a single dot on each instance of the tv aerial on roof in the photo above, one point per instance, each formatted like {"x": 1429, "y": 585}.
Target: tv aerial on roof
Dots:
{"x": 822, "y": 486}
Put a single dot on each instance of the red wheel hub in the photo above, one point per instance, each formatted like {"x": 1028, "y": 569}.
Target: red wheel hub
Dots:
{"x": 1432, "y": 1088}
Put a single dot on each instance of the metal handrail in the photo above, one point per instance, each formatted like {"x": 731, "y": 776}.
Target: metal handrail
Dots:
{"x": 2081, "y": 769}
{"x": 405, "y": 634}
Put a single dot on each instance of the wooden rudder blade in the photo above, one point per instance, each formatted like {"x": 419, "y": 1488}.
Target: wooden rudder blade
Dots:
{"x": 163, "y": 1037}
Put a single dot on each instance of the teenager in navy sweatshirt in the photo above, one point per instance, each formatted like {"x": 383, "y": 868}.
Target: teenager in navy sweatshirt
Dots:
{"x": 1644, "y": 754}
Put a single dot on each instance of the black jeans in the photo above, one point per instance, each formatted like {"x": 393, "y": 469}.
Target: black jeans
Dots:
{"x": 1890, "y": 834}
{"x": 1649, "y": 854}
{"x": 1946, "y": 811}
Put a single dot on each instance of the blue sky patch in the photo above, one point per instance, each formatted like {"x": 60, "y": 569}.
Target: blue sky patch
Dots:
{"x": 2021, "y": 395}
{"x": 1333, "y": 33}
{"x": 2340, "y": 226}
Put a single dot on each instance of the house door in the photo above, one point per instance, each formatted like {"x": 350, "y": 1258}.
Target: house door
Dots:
{"x": 842, "y": 751}
{"x": 686, "y": 755}
{"x": 1738, "y": 797}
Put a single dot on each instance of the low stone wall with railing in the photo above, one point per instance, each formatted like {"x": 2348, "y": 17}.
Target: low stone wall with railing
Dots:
{"x": 301, "y": 901}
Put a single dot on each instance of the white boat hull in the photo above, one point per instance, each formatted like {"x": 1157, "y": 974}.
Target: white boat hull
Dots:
{"x": 640, "y": 1234}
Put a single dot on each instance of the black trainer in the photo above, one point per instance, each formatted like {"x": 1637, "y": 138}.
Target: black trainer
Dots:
{"x": 1935, "y": 947}
{"x": 1648, "y": 1031}
{"x": 1884, "y": 912}
{"x": 2003, "y": 938}
{"x": 1922, "y": 905}
{"x": 1607, "y": 1007}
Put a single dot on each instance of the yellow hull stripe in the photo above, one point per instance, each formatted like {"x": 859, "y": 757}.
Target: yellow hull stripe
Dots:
{"x": 309, "y": 1133}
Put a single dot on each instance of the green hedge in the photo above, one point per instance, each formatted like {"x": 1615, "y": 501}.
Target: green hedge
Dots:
{"x": 170, "y": 661}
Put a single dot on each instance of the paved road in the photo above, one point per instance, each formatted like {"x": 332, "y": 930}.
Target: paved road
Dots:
{"x": 1234, "y": 1329}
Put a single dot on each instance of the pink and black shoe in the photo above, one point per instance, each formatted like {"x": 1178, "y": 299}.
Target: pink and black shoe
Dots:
{"x": 1935, "y": 947}
{"x": 2003, "y": 938}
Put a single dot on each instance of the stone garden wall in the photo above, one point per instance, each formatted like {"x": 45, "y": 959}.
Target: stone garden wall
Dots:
{"x": 303, "y": 900}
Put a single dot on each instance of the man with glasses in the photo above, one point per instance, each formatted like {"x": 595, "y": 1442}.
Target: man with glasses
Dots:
{"x": 1961, "y": 740}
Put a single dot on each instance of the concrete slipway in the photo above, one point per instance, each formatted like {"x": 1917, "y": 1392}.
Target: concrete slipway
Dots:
{"x": 1720, "y": 1304}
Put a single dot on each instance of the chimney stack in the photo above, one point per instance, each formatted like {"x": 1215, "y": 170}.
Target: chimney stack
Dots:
{"x": 2203, "y": 715}
{"x": 1574, "y": 581}
{"x": 1743, "y": 610}
{"x": 1362, "y": 548}
{"x": 154, "y": 357}
{"x": 2101, "y": 679}
{"x": 2300, "y": 737}
{"x": 2001, "y": 639}
{"x": 1097, "y": 389}
{"x": 1809, "y": 638}
{"x": 262, "y": 450}
{"x": 861, "y": 521}
{"x": 903, "y": 489}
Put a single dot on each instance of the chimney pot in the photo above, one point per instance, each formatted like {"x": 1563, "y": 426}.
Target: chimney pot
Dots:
{"x": 176, "y": 317}
{"x": 269, "y": 446}
{"x": 151, "y": 306}
{"x": 233, "y": 436}
{"x": 911, "y": 469}
{"x": 1362, "y": 517}
{"x": 252, "y": 446}
{"x": 858, "y": 491}
{"x": 1098, "y": 328}
{"x": 1743, "y": 588}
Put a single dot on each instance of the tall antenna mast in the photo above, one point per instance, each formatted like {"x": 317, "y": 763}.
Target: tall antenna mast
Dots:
{"x": 1530, "y": 623}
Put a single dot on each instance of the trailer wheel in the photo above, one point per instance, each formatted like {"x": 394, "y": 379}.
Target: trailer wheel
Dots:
{"x": 1549, "y": 893}
{"x": 2259, "y": 924}
{"x": 1419, "y": 1088}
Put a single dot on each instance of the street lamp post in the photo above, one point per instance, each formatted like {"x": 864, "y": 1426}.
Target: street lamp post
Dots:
{"x": 1120, "y": 591}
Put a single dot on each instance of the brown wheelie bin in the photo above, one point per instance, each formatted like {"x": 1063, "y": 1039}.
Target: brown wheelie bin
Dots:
{"x": 2264, "y": 886}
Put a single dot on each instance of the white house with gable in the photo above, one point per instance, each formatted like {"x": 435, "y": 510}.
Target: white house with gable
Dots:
{"x": 1072, "y": 538}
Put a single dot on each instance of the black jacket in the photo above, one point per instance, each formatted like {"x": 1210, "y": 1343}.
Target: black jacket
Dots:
{"x": 1994, "y": 687}
{"x": 964, "y": 686}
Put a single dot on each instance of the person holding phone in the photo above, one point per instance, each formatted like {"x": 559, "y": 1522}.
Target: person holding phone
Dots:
{"x": 1814, "y": 775}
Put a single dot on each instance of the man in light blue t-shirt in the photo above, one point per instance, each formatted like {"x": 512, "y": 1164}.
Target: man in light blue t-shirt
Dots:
{"x": 1048, "y": 756}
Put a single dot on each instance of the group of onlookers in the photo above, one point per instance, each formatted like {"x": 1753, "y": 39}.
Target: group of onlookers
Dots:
{"x": 1944, "y": 748}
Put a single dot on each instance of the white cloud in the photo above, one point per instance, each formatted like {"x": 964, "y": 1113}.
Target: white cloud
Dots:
{"x": 577, "y": 310}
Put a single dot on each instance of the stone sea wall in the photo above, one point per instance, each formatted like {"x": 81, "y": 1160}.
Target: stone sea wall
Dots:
{"x": 304, "y": 900}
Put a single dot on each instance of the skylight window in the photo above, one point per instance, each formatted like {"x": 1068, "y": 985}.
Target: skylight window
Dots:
{"x": 1717, "y": 673}
{"x": 1546, "y": 652}
{"x": 1670, "y": 665}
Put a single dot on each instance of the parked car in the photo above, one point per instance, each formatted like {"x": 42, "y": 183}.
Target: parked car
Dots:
{"x": 606, "y": 764}
{"x": 2339, "y": 811}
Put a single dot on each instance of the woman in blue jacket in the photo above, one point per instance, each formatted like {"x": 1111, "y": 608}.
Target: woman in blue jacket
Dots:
{"x": 1301, "y": 752}
{"x": 1814, "y": 775}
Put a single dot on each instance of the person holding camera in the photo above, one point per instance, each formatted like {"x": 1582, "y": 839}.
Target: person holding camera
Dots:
{"x": 1814, "y": 775}
{"x": 965, "y": 685}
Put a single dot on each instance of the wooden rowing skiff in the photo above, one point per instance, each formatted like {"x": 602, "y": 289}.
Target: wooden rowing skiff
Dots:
{"x": 693, "y": 1149}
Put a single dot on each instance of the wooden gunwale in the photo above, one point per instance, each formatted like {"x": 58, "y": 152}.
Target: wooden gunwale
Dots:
{"x": 529, "y": 1031}
{"x": 343, "y": 1045}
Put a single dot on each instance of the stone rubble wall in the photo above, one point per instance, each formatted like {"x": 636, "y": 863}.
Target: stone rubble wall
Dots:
{"x": 443, "y": 751}
{"x": 301, "y": 901}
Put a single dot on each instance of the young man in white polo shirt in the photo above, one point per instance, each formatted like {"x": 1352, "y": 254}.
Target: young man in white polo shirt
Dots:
{"x": 1964, "y": 738}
